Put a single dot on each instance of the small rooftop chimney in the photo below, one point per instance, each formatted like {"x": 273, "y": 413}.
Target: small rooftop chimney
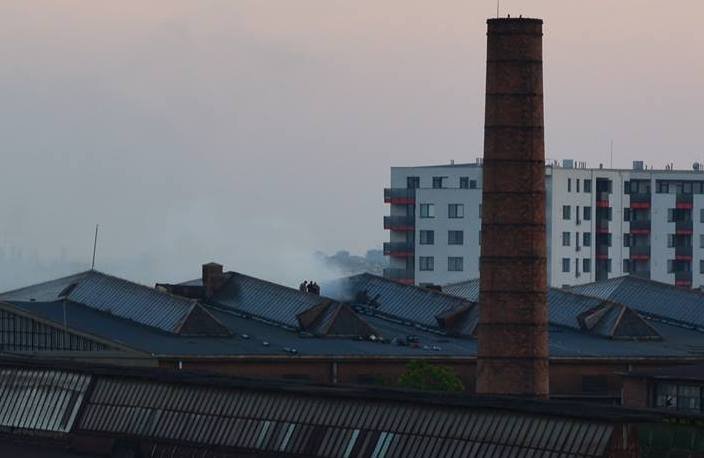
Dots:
{"x": 213, "y": 278}
{"x": 513, "y": 324}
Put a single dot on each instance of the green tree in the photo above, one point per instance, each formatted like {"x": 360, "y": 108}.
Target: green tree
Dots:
{"x": 421, "y": 375}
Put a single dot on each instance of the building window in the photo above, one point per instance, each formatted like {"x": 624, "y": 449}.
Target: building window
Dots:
{"x": 626, "y": 187}
{"x": 626, "y": 266}
{"x": 701, "y": 241}
{"x": 427, "y": 237}
{"x": 679, "y": 215}
{"x": 565, "y": 264}
{"x": 701, "y": 215}
{"x": 587, "y": 185}
{"x": 701, "y": 266}
{"x": 413, "y": 182}
{"x": 626, "y": 214}
{"x": 437, "y": 182}
{"x": 565, "y": 239}
{"x": 587, "y": 213}
{"x": 455, "y": 264}
{"x": 587, "y": 239}
{"x": 626, "y": 240}
{"x": 472, "y": 184}
{"x": 576, "y": 182}
{"x": 464, "y": 182}
{"x": 608, "y": 265}
{"x": 455, "y": 210}
{"x": 676, "y": 265}
{"x": 455, "y": 237}
{"x": 666, "y": 396}
{"x": 569, "y": 185}
{"x": 427, "y": 211}
{"x": 586, "y": 265}
{"x": 426, "y": 263}
{"x": 670, "y": 240}
{"x": 566, "y": 209}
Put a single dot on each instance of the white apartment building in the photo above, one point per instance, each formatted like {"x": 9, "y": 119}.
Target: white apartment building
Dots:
{"x": 601, "y": 223}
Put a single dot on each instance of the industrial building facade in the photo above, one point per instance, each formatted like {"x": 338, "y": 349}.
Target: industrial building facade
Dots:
{"x": 601, "y": 224}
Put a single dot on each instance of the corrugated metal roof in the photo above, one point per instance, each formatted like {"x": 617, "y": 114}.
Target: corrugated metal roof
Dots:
{"x": 404, "y": 302}
{"x": 43, "y": 399}
{"x": 650, "y": 298}
{"x": 324, "y": 426}
{"x": 263, "y": 299}
{"x": 113, "y": 295}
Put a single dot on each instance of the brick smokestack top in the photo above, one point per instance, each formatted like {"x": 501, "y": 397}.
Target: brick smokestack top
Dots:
{"x": 513, "y": 339}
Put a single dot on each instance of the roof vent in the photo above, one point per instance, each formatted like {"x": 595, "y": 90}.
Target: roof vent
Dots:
{"x": 568, "y": 163}
{"x": 637, "y": 165}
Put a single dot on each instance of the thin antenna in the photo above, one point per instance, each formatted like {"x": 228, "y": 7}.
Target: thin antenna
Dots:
{"x": 612, "y": 153}
{"x": 95, "y": 245}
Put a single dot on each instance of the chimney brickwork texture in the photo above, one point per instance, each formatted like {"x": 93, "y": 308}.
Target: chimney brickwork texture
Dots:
{"x": 513, "y": 329}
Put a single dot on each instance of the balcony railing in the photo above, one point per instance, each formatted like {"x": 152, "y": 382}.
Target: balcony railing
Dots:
{"x": 683, "y": 252}
{"x": 401, "y": 249}
{"x": 640, "y": 225}
{"x": 602, "y": 199}
{"x": 640, "y": 252}
{"x": 400, "y": 275}
{"x": 399, "y": 223}
{"x": 400, "y": 196}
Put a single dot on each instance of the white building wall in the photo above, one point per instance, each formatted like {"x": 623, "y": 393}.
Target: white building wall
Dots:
{"x": 557, "y": 196}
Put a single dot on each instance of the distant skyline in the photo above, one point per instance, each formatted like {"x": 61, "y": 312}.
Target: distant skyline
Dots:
{"x": 254, "y": 133}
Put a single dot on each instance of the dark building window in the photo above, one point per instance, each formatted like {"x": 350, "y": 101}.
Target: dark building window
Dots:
{"x": 586, "y": 265}
{"x": 569, "y": 185}
{"x": 626, "y": 214}
{"x": 679, "y": 215}
{"x": 627, "y": 240}
{"x": 587, "y": 213}
{"x": 677, "y": 265}
{"x": 565, "y": 264}
{"x": 626, "y": 187}
{"x": 437, "y": 182}
{"x": 413, "y": 182}
{"x": 455, "y": 210}
{"x": 472, "y": 184}
{"x": 426, "y": 263}
{"x": 464, "y": 182}
{"x": 576, "y": 182}
{"x": 587, "y": 239}
{"x": 455, "y": 264}
{"x": 678, "y": 397}
{"x": 427, "y": 211}
{"x": 565, "y": 239}
{"x": 427, "y": 237}
{"x": 701, "y": 215}
{"x": 566, "y": 212}
{"x": 587, "y": 185}
{"x": 701, "y": 266}
{"x": 455, "y": 237}
{"x": 626, "y": 265}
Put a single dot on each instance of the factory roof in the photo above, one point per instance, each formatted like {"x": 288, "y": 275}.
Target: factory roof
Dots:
{"x": 177, "y": 410}
{"x": 366, "y": 316}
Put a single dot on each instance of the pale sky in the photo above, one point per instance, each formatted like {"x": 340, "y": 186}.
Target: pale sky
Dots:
{"x": 253, "y": 132}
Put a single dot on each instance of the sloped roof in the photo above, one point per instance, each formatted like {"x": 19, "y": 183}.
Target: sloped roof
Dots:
{"x": 393, "y": 299}
{"x": 116, "y": 296}
{"x": 650, "y": 298}
{"x": 333, "y": 319}
{"x": 266, "y": 300}
{"x": 567, "y": 308}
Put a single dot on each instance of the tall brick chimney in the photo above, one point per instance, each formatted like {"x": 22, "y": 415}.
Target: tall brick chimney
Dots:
{"x": 513, "y": 324}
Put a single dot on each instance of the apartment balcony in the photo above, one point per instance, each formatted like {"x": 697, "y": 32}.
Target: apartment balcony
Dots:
{"x": 602, "y": 226}
{"x": 683, "y": 227}
{"x": 399, "y": 275}
{"x": 683, "y": 252}
{"x": 602, "y": 251}
{"x": 640, "y": 200}
{"x": 640, "y": 227}
{"x": 684, "y": 201}
{"x": 602, "y": 199}
{"x": 399, "y": 223}
{"x": 683, "y": 279}
{"x": 400, "y": 196}
{"x": 399, "y": 249}
{"x": 640, "y": 252}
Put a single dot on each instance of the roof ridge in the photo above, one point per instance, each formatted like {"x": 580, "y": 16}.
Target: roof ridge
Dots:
{"x": 233, "y": 273}
{"x": 427, "y": 290}
{"x": 65, "y": 277}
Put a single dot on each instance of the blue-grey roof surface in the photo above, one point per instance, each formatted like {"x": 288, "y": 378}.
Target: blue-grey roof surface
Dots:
{"x": 650, "y": 298}
{"x": 404, "y": 302}
{"x": 264, "y": 299}
{"x": 113, "y": 295}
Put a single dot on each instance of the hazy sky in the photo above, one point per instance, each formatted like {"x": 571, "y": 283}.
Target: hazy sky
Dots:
{"x": 253, "y": 132}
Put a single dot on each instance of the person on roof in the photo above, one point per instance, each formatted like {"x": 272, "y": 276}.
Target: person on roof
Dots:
{"x": 303, "y": 287}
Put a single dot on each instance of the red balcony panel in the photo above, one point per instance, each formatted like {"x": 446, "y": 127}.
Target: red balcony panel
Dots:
{"x": 640, "y": 205}
{"x": 602, "y": 204}
{"x": 401, "y": 201}
{"x": 684, "y": 231}
{"x": 400, "y": 254}
{"x": 684, "y": 205}
{"x": 602, "y": 230}
{"x": 683, "y": 257}
{"x": 602, "y": 256}
{"x": 683, "y": 283}
{"x": 406, "y": 281}
{"x": 640, "y": 257}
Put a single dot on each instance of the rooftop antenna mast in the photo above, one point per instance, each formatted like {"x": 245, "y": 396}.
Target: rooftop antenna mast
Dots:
{"x": 612, "y": 153}
{"x": 95, "y": 245}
